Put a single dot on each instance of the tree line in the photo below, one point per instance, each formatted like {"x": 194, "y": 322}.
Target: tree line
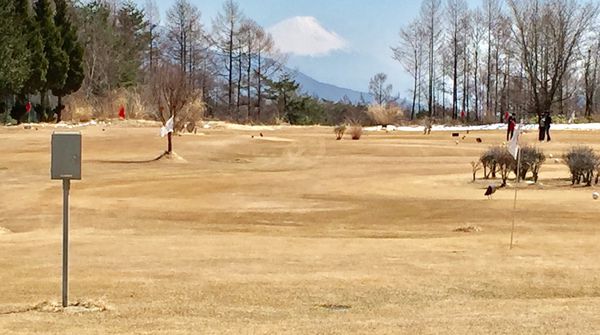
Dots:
{"x": 40, "y": 51}
{"x": 516, "y": 56}
{"x": 172, "y": 66}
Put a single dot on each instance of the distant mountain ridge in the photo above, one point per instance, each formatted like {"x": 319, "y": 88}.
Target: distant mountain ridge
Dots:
{"x": 313, "y": 87}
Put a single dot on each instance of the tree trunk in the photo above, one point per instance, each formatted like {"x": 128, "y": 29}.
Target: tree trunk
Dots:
{"x": 59, "y": 109}
{"x": 455, "y": 78}
{"x": 249, "y": 73}
{"x": 430, "y": 102}
{"x": 496, "y": 76}
{"x": 230, "y": 51}
{"x": 259, "y": 87}
{"x": 414, "y": 99}
{"x": 465, "y": 102}
{"x": 43, "y": 105}
{"x": 169, "y": 143}
{"x": 476, "y": 85}
{"x": 239, "y": 86}
{"x": 488, "y": 104}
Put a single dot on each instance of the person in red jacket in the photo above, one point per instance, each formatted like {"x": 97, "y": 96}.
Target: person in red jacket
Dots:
{"x": 512, "y": 123}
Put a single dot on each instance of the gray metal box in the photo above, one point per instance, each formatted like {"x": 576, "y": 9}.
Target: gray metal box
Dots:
{"x": 66, "y": 156}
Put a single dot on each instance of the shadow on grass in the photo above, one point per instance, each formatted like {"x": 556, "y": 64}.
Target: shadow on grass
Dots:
{"x": 163, "y": 155}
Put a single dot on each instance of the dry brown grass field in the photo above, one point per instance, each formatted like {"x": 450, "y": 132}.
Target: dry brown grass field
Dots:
{"x": 294, "y": 233}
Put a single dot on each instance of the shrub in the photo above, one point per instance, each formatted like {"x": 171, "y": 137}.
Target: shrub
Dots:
{"x": 476, "y": 166}
{"x": 190, "y": 114}
{"x": 6, "y": 119}
{"x": 356, "y": 131}
{"x": 532, "y": 160}
{"x": 506, "y": 163}
{"x": 382, "y": 115}
{"x": 582, "y": 162}
{"x": 339, "y": 131}
{"x": 489, "y": 160}
{"x": 497, "y": 159}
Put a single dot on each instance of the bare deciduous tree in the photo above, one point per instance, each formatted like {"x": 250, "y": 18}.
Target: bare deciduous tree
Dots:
{"x": 431, "y": 11}
{"x": 410, "y": 54}
{"x": 382, "y": 92}
{"x": 172, "y": 92}
{"x": 225, "y": 29}
{"x": 548, "y": 33}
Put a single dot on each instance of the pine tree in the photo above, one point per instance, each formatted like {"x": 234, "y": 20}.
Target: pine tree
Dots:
{"x": 282, "y": 91}
{"x": 73, "y": 49}
{"x": 38, "y": 64}
{"x": 58, "y": 60}
{"x": 133, "y": 39}
{"x": 14, "y": 57}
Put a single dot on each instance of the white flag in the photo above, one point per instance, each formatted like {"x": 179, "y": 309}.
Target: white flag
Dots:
{"x": 513, "y": 145}
{"x": 167, "y": 128}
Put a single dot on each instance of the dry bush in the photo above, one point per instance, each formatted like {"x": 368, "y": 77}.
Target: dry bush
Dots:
{"x": 339, "y": 131}
{"x": 191, "y": 113}
{"x": 532, "y": 159}
{"x": 384, "y": 116}
{"x": 506, "y": 163}
{"x": 582, "y": 162}
{"x": 77, "y": 108}
{"x": 356, "y": 131}
{"x": 497, "y": 159}
{"x": 135, "y": 108}
{"x": 593, "y": 118}
{"x": 489, "y": 160}
{"x": 476, "y": 166}
{"x": 81, "y": 108}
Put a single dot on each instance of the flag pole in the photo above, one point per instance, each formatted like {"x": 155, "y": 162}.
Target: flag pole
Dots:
{"x": 514, "y": 216}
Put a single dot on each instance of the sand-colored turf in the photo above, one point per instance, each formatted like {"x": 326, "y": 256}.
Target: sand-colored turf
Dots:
{"x": 295, "y": 233}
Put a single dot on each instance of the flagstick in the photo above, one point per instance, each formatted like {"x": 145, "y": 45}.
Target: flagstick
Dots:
{"x": 512, "y": 231}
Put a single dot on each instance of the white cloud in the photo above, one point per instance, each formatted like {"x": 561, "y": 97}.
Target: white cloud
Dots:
{"x": 305, "y": 36}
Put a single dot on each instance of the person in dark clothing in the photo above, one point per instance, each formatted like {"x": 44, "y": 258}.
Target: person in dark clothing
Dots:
{"x": 512, "y": 123}
{"x": 542, "y": 128}
{"x": 547, "y": 123}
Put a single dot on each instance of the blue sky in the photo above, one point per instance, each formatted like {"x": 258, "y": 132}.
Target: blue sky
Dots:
{"x": 358, "y": 32}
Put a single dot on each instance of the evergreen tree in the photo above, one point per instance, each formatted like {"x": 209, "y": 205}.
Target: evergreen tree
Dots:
{"x": 282, "y": 91}
{"x": 73, "y": 49}
{"x": 58, "y": 60}
{"x": 133, "y": 40}
{"x": 38, "y": 64}
{"x": 14, "y": 57}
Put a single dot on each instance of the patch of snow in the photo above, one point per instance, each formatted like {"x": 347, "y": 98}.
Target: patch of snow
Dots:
{"x": 235, "y": 126}
{"x": 495, "y": 126}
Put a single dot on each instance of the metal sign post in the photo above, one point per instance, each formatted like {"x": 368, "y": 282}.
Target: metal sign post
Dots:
{"x": 66, "y": 165}
{"x": 65, "y": 252}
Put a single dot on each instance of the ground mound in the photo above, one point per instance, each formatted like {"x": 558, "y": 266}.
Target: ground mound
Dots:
{"x": 78, "y": 307}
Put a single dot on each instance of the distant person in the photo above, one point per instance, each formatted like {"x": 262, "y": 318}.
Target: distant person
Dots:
{"x": 547, "y": 124}
{"x": 542, "y": 128}
{"x": 512, "y": 123}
